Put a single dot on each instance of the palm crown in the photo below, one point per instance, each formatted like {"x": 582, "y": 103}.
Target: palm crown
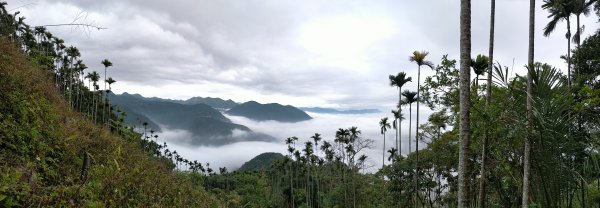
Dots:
{"x": 558, "y": 10}
{"x": 106, "y": 63}
{"x": 384, "y": 124}
{"x": 399, "y": 80}
{"x": 409, "y": 97}
{"x": 480, "y": 64}
{"x": 419, "y": 58}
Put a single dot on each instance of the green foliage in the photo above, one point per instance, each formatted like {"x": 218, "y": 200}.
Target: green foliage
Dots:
{"x": 263, "y": 161}
{"x": 43, "y": 139}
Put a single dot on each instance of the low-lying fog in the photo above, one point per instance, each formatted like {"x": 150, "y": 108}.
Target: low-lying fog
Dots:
{"x": 234, "y": 155}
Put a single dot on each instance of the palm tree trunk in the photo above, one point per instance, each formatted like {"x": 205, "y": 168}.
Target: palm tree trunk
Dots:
{"x": 400, "y": 121}
{"x": 383, "y": 155}
{"x": 578, "y": 39}
{"x": 95, "y": 107}
{"x": 292, "y": 183}
{"x": 417, "y": 134}
{"x": 104, "y": 99}
{"x": 527, "y": 149}
{"x": 484, "y": 150}
{"x": 396, "y": 132}
{"x": 569, "y": 50}
{"x": 410, "y": 128}
{"x": 465, "y": 101}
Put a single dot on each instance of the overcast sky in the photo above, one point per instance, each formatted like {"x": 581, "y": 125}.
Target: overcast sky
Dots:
{"x": 335, "y": 53}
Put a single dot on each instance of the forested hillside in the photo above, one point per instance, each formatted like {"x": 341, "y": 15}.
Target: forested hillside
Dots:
{"x": 54, "y": 156}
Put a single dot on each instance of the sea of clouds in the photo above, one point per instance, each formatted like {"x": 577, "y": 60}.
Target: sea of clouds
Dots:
{"x": 235, "y": 154}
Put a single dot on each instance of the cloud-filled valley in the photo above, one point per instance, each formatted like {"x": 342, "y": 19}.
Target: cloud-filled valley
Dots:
{"x": 234, "y": 155}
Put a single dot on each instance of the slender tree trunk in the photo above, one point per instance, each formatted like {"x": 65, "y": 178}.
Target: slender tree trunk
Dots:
{"x": 410, "y": 128}
{"x": 307, "y": 184}
{"x": 383, "y": 155}
{"x": 484, "y": 149}
{"x": 417, "y": 134}
{"x": 95, "y": 107}
{"x": 396, "y": 132}
{"x": 578, "y": 38}
{"x": 527, "y": 149}
{"x": 104, "y": 99}
{"x": 569, "y": 52}
{"x": 400, "y": 121}
{"x": 292, "y": 182}
{"x": 465, "y": 102}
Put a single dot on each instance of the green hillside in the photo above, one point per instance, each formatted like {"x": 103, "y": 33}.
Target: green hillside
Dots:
{"x": 261, "y": 162}
{"x": 44, "y": 145}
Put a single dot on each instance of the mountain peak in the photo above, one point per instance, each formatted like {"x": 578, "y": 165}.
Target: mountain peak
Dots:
{"x": 272, "y": 111}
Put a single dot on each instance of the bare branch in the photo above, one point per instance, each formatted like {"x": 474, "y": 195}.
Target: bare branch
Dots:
{"x": 75, "y": 24}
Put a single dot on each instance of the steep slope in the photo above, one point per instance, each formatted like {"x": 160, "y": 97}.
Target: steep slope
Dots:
{"x": 42, "y": 143}
{"x": 271, "y": 111}
{"x": 261, "y": 162}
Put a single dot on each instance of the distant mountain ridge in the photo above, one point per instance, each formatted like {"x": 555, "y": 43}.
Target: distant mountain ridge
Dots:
{"x": 272, "y": 111}
{"x": 206, "y": 125}
{"x": 335, "y": 111}
{"x": 217, "y": 103}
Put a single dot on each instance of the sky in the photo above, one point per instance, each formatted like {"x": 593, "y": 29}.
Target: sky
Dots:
{"x": 309, "y": 53}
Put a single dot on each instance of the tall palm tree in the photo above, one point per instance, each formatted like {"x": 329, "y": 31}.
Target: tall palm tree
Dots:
{"x": 409, "y": 98}
{"x": 95, "y": 77}
{"x": 106, "y": 64}
{"x": 581, "y": 7}
{"x": 397, "y": 125}
{"x": 560, "y": 10}
{"x": 384, "y": 125}
{"x": 527, "y": 148}
{"x": 419, "y": 59}
{"x": 488, "y": 100}
{"x": 399, "y": 81}
{"x": 316, "y": 138}
{"x": 110, "y": 81}
{"x": 465, "y": 101}
{"x": 479, "y": 65}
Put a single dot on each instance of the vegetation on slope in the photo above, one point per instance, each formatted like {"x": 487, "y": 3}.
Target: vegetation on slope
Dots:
{"x": 44, "y": 146}
{"x": 263, "y": 161}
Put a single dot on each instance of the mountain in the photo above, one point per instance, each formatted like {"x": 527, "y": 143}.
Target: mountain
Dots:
{"x": 261, "y": 162}
{"x": 271, "y": 111}
{"x": 212, "y": 102}
{"x": 217, "y": 103}
{"x": 206, "y": 126}
{"x": 335, "y": 111}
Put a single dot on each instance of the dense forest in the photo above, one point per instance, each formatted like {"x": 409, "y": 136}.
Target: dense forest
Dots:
{"x": 494, "y": 140}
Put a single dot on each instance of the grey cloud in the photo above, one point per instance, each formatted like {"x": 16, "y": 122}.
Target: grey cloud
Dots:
{"x": 252, "y": 44}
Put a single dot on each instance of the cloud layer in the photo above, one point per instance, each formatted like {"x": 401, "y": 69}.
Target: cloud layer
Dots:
{"x": 234, "y": 155}
{"x": 309, "y": 53}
